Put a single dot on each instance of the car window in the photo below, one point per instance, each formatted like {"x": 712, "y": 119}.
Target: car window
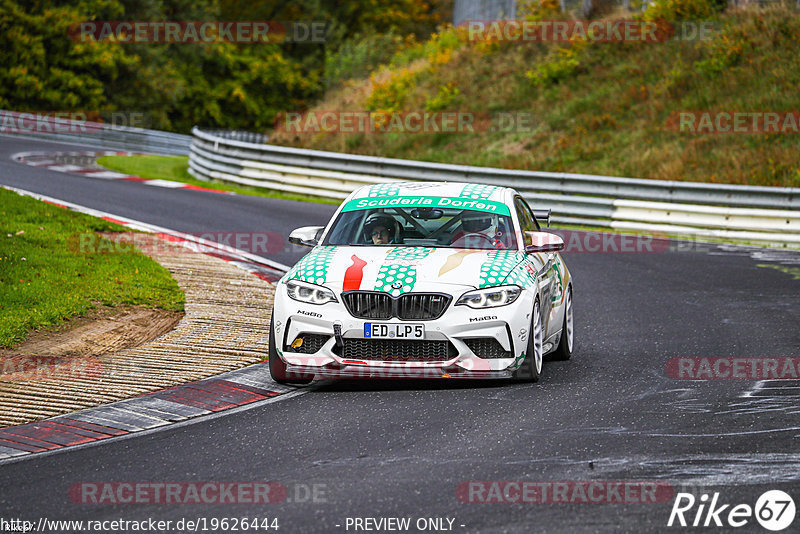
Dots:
{"x": 440, "y": 227}
{"x": 526, "y": 219}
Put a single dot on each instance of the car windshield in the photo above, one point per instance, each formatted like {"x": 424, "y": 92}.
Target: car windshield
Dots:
{"x": 424, "y": 227}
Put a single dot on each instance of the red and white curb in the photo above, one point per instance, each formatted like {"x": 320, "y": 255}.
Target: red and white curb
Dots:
{"x": 166, "y": 407}
{"x": 81, "y": 164}
{"x": 170, "y": 406}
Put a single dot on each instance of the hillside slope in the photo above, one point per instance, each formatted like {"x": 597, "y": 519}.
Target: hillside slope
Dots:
{"x": 610, "y": 108}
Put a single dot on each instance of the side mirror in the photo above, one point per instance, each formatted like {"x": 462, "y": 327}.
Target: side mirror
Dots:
{"x": 542, "y": 216}
{"x": 542, "y": 242}
{"x": 307, "y": 236}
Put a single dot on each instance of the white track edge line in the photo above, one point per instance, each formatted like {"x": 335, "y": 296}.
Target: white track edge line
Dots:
{"x": 156, "y": 229}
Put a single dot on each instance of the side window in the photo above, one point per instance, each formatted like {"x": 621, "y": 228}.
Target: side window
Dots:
{"x": 526, "y": 219}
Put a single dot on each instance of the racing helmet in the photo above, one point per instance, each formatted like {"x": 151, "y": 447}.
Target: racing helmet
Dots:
{"x": 380, "y": 219}
{"x": 478, "y": 221}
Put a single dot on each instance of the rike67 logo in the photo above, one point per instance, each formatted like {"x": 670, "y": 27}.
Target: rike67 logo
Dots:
{"x": 774, "y": 510}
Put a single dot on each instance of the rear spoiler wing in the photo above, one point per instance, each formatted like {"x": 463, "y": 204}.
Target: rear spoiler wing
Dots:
{"x": 542, "y": 216}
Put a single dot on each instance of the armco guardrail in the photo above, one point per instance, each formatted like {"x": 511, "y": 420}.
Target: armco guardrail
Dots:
{"x": 751, "y": 213}
{"x": 88, "y": 133}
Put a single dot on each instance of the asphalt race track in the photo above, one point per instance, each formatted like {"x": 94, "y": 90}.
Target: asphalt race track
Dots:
{"x": 401, "y": 449}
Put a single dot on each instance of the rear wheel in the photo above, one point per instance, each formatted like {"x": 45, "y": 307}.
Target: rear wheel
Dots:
{"x": 531, "y": 368}
{"x": 564, "y": 350}
{"x": 277, "y": 367}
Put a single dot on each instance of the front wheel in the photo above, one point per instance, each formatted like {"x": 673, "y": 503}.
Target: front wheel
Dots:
{"x": 531, "y": 368}
{"x": 277, "y": 367}
{"x": 564, "y": 350}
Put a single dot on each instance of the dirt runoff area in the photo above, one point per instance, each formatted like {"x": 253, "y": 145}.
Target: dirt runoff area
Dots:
{"x": 73, "y": 346}
{"x": 117, "y": 353}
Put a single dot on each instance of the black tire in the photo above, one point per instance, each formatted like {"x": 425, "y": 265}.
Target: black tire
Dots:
{"x": 531, "y": 368}
{"x": 277, "y": 367}
{"x": 564, "y": 350}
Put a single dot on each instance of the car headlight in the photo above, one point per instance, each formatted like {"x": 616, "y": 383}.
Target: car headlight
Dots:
{"x": 309, "y": 293}
{"x": 490, "y": 297}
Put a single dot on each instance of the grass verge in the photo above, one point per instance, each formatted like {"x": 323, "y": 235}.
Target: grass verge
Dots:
{"x": 174, "y": 168}
{"x": 44, "y": 281}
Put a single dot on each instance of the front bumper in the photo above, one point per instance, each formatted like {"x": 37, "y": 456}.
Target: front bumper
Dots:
{"x": 508, "y": 325}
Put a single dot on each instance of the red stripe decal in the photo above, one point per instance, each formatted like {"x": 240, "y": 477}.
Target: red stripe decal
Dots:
{"x": 354, "y": 274}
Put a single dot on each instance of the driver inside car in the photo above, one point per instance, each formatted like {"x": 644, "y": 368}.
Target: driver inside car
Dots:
{"x": 478, "y": 228}
{"x": 382, "y": 230}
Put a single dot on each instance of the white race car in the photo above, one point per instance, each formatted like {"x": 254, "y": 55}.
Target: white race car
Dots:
{"x": 424, "y": 280}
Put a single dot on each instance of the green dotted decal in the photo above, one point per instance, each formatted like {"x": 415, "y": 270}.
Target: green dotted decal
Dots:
{"x": 498, "y": 266}
{"x": 478, "y": 191}
{"x": 399, "y": 268}
{"x": 384, "y": 190}
{"x": 559, "y": 289}
{"x": 313, "y": 268}
{"x": 523, "y": 275}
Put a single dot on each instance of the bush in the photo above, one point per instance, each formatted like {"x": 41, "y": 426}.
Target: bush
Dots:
{"x": 361, "y": 55}
{"x": 726, "y": 50}
{"x": 447, "y": 97}
{"x": 391, "y": 94}
{"x": 672, "y": 10}
{"x": 560, "y": 63}
{"x": 540, "y": 9}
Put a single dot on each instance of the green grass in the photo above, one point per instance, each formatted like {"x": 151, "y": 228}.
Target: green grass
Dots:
{"x": 612, "y": 113}
{"x": 45, "y": 279}
{"x": 175, "y": 168}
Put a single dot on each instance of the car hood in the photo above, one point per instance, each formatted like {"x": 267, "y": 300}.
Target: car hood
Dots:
{"x": 398, "y": 270}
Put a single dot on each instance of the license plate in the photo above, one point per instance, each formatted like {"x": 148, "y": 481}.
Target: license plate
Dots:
{"x": 394, "y": 330}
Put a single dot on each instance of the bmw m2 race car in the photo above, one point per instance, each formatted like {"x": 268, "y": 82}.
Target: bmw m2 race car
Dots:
{"x": 424, "y": 280}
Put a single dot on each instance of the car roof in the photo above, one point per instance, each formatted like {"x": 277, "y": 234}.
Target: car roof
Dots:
{"x": 436, "y": 189}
